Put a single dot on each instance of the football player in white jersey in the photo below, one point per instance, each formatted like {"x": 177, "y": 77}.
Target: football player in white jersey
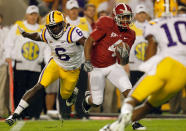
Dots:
{"x": 165, "y": 70}
{"x": 65, "y": 62}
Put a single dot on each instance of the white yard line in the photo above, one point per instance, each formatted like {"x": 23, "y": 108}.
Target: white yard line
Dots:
{"x": 18, "y": 126}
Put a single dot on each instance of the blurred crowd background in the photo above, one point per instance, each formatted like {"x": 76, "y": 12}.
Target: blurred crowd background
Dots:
{"x": 84, "y": 14}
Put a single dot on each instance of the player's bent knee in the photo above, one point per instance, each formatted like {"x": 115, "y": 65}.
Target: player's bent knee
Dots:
{"x": 97, "y": 102}
{"x": 126, "y": 92}
{"x": 65, "y": 94}
{"x": 149, "y": 106}
{"x": 128, "y": 99}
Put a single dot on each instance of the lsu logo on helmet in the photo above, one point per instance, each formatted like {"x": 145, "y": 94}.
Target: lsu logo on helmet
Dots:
{"x": 56, "y": 24}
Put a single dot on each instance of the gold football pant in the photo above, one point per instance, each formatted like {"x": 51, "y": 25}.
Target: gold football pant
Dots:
{"x": 170, "y": 78}
{"x": 52, "y": 72}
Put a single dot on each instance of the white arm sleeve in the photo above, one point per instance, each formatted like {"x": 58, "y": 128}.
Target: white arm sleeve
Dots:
{"x": 149, "y": 30}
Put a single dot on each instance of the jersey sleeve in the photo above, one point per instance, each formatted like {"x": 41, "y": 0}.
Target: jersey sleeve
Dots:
{"x": 43, "y": 35}
{"x": 97, "y": 34}
{"x": 74, "y": 34}
{"x": 149, "y": 30}
{"x": 100, "y": 30}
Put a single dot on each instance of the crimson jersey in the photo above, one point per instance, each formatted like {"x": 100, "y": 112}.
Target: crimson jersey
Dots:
{"x": 106, "y": 34}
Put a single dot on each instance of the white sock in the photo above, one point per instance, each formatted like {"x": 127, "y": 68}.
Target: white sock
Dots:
{"x": 126, "y": 108}
{"x": 22, "y": 105}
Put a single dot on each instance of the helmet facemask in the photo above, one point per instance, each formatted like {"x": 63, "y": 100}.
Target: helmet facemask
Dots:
{"x": 56, "y": 30}
{"x": 123, "y": 15}
{"x": 124, "y": 20}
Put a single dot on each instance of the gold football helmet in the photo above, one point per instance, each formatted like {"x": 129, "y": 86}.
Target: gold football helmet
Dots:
{"x": 56, "y": 24}
{"x": 165, "y": 8}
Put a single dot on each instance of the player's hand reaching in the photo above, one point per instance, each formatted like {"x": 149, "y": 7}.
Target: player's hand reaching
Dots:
{"x": 33, "y": 36}
{"x": 88, "y": 66}
{"x": 21, "y": 31}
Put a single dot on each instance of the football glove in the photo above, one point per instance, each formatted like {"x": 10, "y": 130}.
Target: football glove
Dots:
{"x": 123, "y": 52}
{"x": 124, "y": 61}
{"x": 88, "y": 66}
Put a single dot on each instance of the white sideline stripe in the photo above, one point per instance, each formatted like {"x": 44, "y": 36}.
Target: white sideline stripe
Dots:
{"x": 18, "y": 126}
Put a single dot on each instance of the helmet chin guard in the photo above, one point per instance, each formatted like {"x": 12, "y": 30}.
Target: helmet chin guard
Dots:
{"x": 56, "y": 30}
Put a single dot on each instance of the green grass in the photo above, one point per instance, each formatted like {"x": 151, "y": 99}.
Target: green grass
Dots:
{"x": 95, "y": 125}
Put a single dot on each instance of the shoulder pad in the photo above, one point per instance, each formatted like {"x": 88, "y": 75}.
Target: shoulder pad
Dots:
{"x": 105, "y": 22}
{"x": 154, "y": 21}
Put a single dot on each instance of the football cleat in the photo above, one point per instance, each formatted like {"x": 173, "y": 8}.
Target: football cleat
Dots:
{"x": 137, "y": 126}
{"x": 85, "y": 106}
{"x": 110, "y": 127}
{"x": 120, "y": 124}
{"x": 72, "y": 99}
{"x": 11, "y": 119}
{"x": 106, "y": 128}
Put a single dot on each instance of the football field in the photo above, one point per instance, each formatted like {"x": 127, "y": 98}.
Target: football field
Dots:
{"x": 91, "y": 125}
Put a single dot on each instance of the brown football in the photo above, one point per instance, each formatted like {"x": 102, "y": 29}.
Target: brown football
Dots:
{"x": 121, "y": 45}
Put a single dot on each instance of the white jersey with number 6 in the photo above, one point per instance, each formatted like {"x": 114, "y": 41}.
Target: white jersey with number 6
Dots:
{"x": 65, "y": 50}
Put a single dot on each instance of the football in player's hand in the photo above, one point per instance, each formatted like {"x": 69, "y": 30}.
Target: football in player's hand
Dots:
{"x": 122, "y": 52}
{"x": 122, "y": 49}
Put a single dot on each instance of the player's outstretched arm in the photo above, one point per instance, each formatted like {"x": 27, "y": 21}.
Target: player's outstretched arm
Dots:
{"x": 33, "y": 36}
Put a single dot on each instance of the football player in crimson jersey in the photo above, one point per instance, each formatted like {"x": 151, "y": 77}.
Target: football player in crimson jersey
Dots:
{"x": 165, "y": 68}
{"x": 100, "y": 58}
